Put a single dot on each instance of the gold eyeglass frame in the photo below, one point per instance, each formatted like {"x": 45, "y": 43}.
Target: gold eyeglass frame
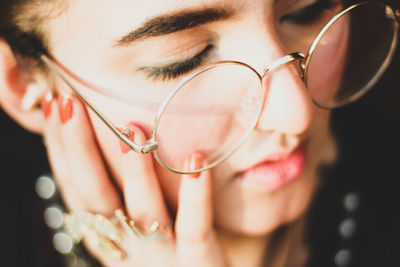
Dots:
{"x": 152, "y": 144}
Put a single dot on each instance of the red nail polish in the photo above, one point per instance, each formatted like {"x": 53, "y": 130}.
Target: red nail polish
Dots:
{"x": 46, "y": 104}
{"x": 195, "y": 163}
{"x": 65, "y": 108}
{"x": 131, "y": 135}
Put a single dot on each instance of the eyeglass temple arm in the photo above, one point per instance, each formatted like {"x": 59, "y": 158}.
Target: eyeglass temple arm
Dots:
{"x": 151, "y": 146}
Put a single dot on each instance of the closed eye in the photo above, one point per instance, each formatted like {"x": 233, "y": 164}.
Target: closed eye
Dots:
{"x": 175, "y": 70}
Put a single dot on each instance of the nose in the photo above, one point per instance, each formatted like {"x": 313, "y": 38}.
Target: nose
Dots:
{"x": 288, "y": 107}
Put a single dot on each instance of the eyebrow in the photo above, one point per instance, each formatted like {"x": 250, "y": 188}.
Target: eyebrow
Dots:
{"x": 175, "y": 22}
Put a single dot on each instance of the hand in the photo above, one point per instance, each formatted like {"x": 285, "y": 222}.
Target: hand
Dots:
{"x": 85, "y": 185}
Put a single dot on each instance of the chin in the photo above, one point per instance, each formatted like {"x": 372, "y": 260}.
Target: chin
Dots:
{"x": 255, "y": 226}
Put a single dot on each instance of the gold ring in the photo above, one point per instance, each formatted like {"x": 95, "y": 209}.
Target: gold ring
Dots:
{"x": 104, "y": 231}
{"x": 155, "y": 231}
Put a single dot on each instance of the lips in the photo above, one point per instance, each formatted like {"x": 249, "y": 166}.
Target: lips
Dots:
{"x": 277, "y": 170}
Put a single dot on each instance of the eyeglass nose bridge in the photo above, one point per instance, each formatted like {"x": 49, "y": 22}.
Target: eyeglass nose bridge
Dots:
{"x": 284, "y": 60}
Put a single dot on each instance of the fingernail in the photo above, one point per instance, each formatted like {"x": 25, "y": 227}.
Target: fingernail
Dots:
{"x": 194, "y": 162}
{"x": 131, "y": 135}
{"x": 65, "y": 108}
{"x": 46, "y": 104}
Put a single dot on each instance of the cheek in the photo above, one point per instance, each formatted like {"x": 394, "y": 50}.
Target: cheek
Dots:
{"x": 180, "y": 137}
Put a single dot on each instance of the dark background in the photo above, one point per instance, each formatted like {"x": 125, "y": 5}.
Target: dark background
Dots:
{"x": 369, "y": 136}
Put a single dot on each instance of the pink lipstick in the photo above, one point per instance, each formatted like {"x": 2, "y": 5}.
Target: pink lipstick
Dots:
{"x": 277, "y": 171}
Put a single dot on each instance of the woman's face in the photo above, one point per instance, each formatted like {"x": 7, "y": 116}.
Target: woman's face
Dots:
{"x": 133, "y": 51}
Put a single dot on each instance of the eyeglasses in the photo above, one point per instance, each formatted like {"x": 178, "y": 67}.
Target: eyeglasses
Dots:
{"x": 214, "y": 109}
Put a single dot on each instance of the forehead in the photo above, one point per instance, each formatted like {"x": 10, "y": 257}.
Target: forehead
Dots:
{"x": 83, "y": 13}
{"x": 112, "y": 19}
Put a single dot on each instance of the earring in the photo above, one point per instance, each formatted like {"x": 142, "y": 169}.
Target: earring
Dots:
{"x": 32, "y": 97}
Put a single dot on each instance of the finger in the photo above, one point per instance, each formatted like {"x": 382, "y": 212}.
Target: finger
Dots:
{"x": 57, "y": 157}
{"x": 143, "y": 197}
{"x": 76, "y": 132}
{"x": 195, "y": 235}
{"x": 87, "y": 169}
{"x": 194, "y": 218}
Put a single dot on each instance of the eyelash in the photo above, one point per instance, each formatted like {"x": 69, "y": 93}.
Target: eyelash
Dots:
{"x": 175, "y": 70}
{"x": 311, "y": 13}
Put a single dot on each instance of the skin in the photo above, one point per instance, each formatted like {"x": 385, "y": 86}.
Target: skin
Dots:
{"x": 211, "y": 215}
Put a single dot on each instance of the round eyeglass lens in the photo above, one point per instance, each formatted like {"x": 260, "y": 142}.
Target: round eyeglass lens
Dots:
{"x": 351, "y": 54}
{"x": 211, "y": 113}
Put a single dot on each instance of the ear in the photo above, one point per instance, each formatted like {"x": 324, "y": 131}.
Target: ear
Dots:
{"x": 19, "y": 95}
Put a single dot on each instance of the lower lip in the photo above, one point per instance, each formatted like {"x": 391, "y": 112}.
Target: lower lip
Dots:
{"x": 273, "y": 175}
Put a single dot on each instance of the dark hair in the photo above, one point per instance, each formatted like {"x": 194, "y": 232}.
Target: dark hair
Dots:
{"x": 22, "y": 26}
